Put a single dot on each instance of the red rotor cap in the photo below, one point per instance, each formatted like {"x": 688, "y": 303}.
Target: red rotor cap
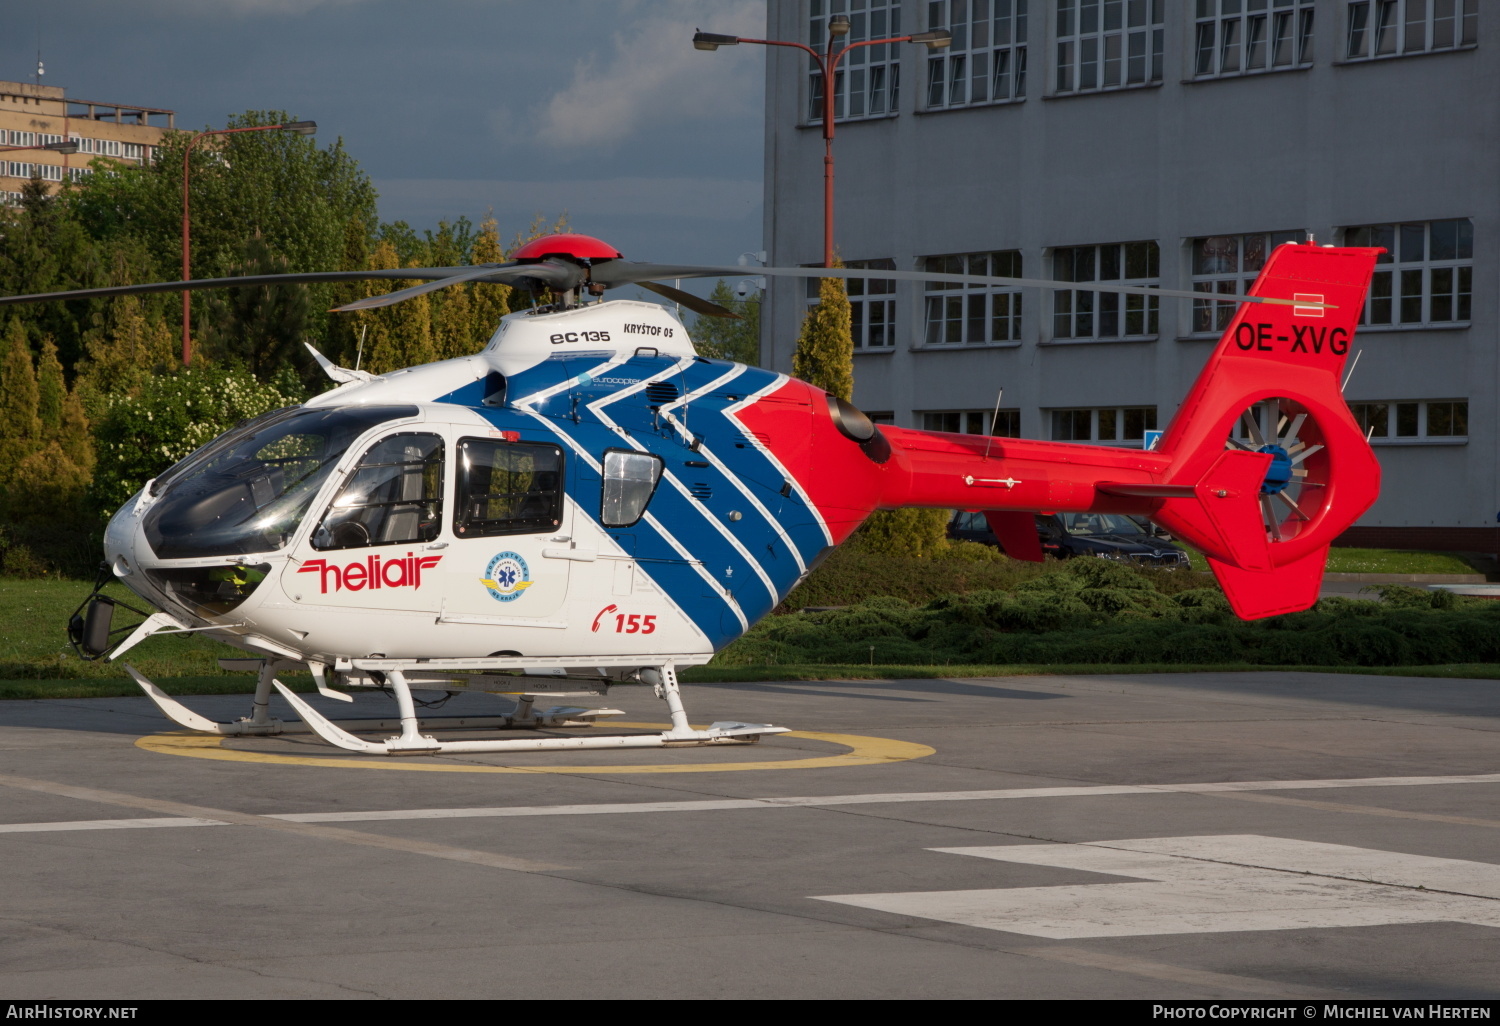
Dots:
{"x": 579, "y": 247}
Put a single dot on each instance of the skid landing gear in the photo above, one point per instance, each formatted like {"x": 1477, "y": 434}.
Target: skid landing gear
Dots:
{"x": 410, "y": 739}
{"x": 261, "y": 724}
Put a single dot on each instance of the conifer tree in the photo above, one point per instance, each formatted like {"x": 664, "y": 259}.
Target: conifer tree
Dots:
{"x": 18, "y": 388}
{"x": 489, "y": 302}
{"x": 20, "y": 428}
{"x": 52, "y": 391}
{"x": 825, "y": 347}
{"x": 400, "y": 335}
{"x": 721, "y": 338}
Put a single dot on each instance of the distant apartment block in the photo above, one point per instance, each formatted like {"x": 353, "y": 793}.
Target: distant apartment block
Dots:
{"x": 32, "y": 117}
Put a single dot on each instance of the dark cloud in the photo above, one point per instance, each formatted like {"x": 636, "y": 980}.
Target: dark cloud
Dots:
{"x": 456, "y": 106}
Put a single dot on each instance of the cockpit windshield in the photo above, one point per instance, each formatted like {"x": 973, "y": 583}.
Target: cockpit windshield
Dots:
{"x": 248, "y": 491}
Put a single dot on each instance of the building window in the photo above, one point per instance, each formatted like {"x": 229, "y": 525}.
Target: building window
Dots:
{"x": 1104, "y": 315}
{"x": 1389, "y": 28}
{"x": 22, "y": 138}
{"x": 1110, "y": 424}
{"x": 1413, "y": 421}
{"x": 1005, "y": 424}
{"x": 958, "y": 314}
{"x": 868, "y": 82}
{"x": 1238, "y": 37}
{"x": 78, "y": 174}
{"x": 49, "y": 172}
{"x": 1228, "y": 264}
{"x": 986, "y": 62}
{"x": 1108, "y": 44}
{"x": 872, "y": 306}
{"x": 1425, "y": 275}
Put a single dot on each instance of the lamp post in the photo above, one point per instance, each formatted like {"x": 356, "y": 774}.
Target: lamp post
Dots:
{"x": 66, "y": 146}
{"x": 300, "y": 127}
{"x": 828, "y": 62}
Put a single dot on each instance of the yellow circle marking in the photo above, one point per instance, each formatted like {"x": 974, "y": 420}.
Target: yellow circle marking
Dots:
{"x": 863, "y": 751}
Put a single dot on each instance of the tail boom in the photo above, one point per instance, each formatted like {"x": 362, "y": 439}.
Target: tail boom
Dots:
{"x": 1226, "y": 502}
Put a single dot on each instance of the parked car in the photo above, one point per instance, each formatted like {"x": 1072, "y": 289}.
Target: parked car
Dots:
{"x": 1105, "y": 535}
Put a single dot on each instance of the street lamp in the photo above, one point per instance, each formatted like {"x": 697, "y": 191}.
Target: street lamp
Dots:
{"x": 68, "y": 146}
{"x": 300, "y": 127}
{"x": 828, "y": 62}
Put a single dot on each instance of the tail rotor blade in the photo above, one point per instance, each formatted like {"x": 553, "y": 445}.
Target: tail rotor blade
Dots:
{"x": 1254, "y": 428}
{"x": 1273, "y": 522}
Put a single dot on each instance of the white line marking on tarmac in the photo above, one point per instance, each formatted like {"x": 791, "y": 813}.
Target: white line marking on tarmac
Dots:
{"x": 815, "y": 801}
{"x": 1210, "y": 885}
{"x": 108, "y": 824}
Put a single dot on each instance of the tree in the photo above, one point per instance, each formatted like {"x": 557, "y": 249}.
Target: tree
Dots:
{"x": 399, "y": 335}
{"x": 490, "y": 302}
{"x": 261, "y": 328}
{"x": 20, "y": 427}
{"x": 299, "y": 198}
{"x": 825, "y": 347}
{"x": 141, "y": 435}
{"x": 52, "y": 391}
{"x": 721, "y": 338}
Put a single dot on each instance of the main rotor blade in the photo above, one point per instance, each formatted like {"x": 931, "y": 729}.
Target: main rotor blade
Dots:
{"x": 553, "y": 274}
{"x": 248, "y": 281}
{"x": 626, "y": 272}
{"x": 687, "y": 299}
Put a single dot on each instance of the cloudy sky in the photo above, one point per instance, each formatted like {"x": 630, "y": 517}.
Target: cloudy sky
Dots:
{"x": 601, "y": 108}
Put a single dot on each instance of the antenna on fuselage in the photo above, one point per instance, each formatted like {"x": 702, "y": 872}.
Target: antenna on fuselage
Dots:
{"x": 360, "y": 355}
{"x": 994, "y": 422}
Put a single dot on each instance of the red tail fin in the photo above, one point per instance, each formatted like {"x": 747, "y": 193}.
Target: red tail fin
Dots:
{"x": 1266, "y": 511}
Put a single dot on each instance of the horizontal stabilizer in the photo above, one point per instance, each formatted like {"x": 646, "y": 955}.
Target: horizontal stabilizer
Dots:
{"x": 1224, "y": 515}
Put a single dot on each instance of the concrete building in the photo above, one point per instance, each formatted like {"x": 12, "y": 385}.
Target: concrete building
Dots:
{"x": 34, "y": 116}
{"x": 1167, "y": 142}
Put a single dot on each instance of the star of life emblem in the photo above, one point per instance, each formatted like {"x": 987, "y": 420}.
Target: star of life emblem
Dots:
{"x": 507, "y": 577}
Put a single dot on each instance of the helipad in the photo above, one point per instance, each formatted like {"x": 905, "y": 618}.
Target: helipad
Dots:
{"x": 1290, "y": 836}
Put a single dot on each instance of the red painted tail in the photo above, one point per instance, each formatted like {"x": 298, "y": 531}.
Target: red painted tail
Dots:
{"x": 1266, "y": 510}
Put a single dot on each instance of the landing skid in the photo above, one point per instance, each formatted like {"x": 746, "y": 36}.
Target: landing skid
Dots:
{"x": 411, "y": 741}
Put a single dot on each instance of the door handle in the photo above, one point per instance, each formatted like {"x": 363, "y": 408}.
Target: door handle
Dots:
{"x": 438, "y": 545}
{"x": 582, "y": 555}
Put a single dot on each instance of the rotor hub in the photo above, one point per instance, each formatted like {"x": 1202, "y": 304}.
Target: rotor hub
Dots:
{"x": 1279, "y": 473}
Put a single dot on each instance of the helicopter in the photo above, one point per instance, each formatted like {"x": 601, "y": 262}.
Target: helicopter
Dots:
{"x": 589, "y": 499}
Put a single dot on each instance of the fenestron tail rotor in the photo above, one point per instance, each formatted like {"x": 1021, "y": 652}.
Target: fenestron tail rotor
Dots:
{"x": 1294, "y": 489}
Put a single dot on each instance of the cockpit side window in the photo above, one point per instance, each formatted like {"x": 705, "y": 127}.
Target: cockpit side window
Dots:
{"x": 630, "y": 479}
{"x": 507, "y": 488}
{"x": 394, "y": 496}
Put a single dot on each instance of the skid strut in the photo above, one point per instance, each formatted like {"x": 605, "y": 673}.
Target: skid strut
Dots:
{"x": 412, "y": 742}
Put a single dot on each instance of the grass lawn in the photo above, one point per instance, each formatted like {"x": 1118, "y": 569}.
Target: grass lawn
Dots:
{"x": 1379, "y": 561}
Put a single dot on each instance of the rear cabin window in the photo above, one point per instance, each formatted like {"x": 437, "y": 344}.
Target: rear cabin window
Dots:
{"x": 394, "y": 496}
{"x": 629, "y": 480}
{"x": 507, "y": 488}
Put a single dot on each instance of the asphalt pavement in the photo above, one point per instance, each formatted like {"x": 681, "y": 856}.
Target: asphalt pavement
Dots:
{"x": 1170, "y": 836}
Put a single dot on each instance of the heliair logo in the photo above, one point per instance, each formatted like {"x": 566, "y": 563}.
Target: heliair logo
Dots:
{"x": 507, "y": 577}
{"x": 371, "y": 572}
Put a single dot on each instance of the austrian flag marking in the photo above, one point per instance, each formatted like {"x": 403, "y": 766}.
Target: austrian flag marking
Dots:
{"x": 1311, "y": 310}
{"x": 371, "y": 572}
